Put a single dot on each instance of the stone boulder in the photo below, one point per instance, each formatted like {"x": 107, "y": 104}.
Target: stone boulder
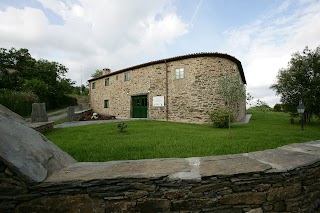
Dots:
{"x": 11, "y": 114}
{"x": 27, "y": 152}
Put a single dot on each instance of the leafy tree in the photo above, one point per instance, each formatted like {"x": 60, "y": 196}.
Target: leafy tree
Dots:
{"x": 232, "y": 90}
{"x": 261, "y": 106}
{"x": 97, "y": 74}
{"x": 20, "y": 72}
{"x": 37, "y": 87}
{"x": 301, "y": 81}
{"x": 277, "y": 108}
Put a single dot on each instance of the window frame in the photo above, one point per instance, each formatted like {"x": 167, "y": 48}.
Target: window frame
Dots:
{"x": 106, "y": 81}
{"x": 179, "y": 73}
{"x": 127, "y": 76}
{"x": 106, "y": 104}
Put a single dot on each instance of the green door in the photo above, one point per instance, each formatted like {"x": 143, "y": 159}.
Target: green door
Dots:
{"x": 139, "y": 106}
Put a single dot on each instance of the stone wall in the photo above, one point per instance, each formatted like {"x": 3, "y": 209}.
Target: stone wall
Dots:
{"x": 286, "y": 179}
{"x": 188, "y": 99}
{"x": 80, "y": 115}
{"x": 36, "y": 176}
{"x": 43, "y": 126}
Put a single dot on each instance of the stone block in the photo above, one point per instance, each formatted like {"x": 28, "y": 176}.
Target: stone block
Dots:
{"x": 208, "y": 187}
{"x": 279, "y": 206}
{"x": 154, "y": 205}
{"x": 39, "y": 113}
{"x": 258, "y": 210}
{"x": 175, "y": 194}
{"x": 70, "y": 114}
{"x": 230, "y": 165}
{"x": 247, "y": 198}
{"x": 120, "y": 206}
{"x": 283, "y": 160}
{"x": 62, "y": 204}
{"x": 28, "y": 153}
{"x": 194, "y": 204}
{"x": 285, "y": 192}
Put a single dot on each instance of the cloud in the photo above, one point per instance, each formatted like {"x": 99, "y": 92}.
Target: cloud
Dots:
{"x": 266, "y": 45}
{"x": 94, "y": 34}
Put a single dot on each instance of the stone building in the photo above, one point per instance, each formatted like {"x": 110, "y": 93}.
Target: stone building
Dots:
{"x": 181, "y": 88}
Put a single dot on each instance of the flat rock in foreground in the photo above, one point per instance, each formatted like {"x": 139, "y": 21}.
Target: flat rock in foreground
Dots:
{"x": 27, "y": 152}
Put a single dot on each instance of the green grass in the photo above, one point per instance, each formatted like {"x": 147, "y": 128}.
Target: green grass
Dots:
{"x": 145, "y": 139}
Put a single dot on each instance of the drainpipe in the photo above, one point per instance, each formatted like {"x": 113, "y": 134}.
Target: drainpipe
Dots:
{"x": 167, "y": 92}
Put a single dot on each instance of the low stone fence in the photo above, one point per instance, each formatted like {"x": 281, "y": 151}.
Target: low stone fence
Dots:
{"x": 80, "y": 115}
{"x": 280, "y": 180}
{"x": 36, "y": 176}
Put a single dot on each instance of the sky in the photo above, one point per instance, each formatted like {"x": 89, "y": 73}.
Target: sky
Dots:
{"x": 87, "y": 35}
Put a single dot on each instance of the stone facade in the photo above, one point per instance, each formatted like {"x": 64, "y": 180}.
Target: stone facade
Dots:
{"x": 186, "y": 100}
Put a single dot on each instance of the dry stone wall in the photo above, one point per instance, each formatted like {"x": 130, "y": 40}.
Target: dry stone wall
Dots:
{"x": 36, "y": 176}
{"x": 234, "y": 183}
{"x": 188, "y": 99}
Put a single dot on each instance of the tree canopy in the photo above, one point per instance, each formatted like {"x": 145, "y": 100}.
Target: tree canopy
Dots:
{"x": 19, "y": 71}
{"x": 97, "y": 74}
{"x": 301, "y": 81}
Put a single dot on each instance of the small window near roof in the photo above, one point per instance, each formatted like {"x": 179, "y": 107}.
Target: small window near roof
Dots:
{"x": 106, "y": 103}
{"x": 106, "y": 81}
{"x": 179, "y": 73}
{"x": 127, "y": 76}
{"x": 93, "y": 86}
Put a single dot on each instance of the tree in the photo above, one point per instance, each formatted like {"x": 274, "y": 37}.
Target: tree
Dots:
{"x": 301, "y": 81}
{"x": 37, "y": 87}
{"x": 97, "y": 74}
{"x": 277, "y": 108}
{"x": 261, "y": 106}
{"x": 20, "y": 72}
{"x": 232, "y": 90}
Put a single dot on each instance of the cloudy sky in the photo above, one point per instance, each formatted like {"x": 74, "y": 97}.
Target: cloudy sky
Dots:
{"x": 86, "y": 35}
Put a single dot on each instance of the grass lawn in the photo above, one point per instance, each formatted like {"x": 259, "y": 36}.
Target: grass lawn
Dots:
{"x": 158, "y": 139}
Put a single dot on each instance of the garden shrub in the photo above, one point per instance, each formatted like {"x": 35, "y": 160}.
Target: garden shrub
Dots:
{"x": 220, "y": 118}
{"x": 17, "y": 101}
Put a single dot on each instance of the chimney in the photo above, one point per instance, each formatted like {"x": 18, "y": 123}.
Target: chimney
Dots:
{"x": 106, "y": 71}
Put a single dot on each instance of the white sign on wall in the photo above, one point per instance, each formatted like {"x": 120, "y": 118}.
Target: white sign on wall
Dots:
{"x": 158, "y": 101}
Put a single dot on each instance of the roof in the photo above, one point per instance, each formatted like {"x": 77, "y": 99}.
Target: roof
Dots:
{"x": 177, "y": 58}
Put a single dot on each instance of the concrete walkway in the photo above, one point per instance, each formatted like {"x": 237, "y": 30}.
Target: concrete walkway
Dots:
{"x": 244, "y": 120}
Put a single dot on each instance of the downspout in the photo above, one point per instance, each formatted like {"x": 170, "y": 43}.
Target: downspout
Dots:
{"x": 167, "y": 92}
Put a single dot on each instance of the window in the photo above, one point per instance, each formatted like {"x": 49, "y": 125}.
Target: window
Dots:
{"x": 116, "y": 77}
{"x": 106, "y": 103}
{"x": 106, "y": 81}
{"x": 127, "y": 76}
{"x": 179, "y": 73}
{"x": 93, "y": 85}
